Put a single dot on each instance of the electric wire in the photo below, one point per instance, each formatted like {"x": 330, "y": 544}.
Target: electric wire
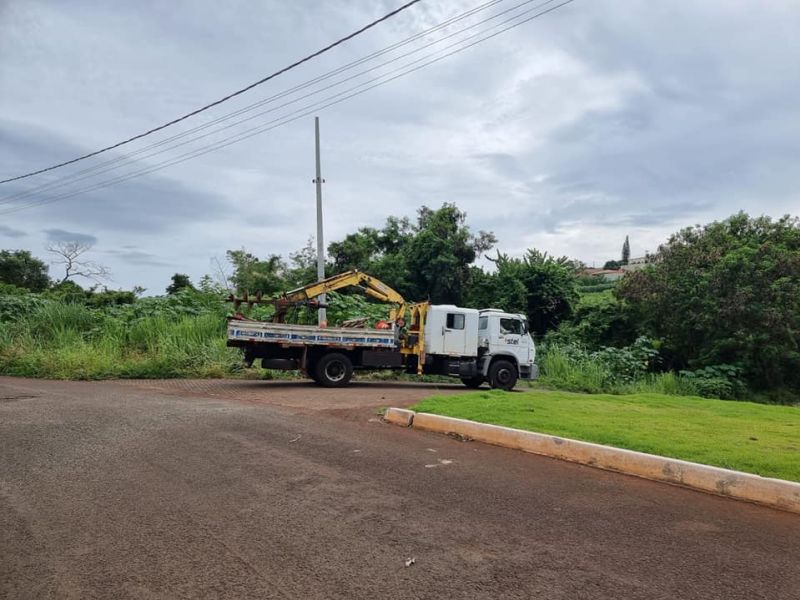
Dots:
{"x": 238, "y": 92}
{"x": 127, "y": 158}
{"x": 298, "y": 114}
{"x": 115, "y": 164}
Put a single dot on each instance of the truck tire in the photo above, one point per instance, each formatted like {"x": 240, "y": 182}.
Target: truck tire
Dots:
{"x": 333, "y": 370}
{"x": 503, "y": 375}
{"x": 473, "y": 382}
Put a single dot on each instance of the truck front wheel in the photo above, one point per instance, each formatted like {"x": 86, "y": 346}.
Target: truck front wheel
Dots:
{"x": 333, "y": 370}
{"x": 503, "y": 375}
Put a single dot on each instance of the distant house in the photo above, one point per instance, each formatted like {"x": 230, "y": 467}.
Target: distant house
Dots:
{"x": 637, "y": 264}
{"x": 604, "y": 274}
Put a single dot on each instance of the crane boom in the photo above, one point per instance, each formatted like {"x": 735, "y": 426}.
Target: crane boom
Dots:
{"x": 370, "y": 285}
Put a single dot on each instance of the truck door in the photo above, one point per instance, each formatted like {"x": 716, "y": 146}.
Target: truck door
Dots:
{"x": 455, "y": 334}
{"x": 511, "y": 332}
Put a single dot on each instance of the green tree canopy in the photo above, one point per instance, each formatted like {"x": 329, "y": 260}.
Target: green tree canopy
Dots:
{"x": 180, "y": 281}
{"x": 428, "y": 259}
{"x": 440, "y": 253}
{"x": 253, "y": 275}
{"x": 22, "y": 269}
{"x": 538, "y": 285}
{"x": 727, "y": 293}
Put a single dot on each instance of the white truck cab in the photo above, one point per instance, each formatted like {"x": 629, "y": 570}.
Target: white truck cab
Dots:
{"x": 479, "y": 346}
{"x": 505, "y": 336}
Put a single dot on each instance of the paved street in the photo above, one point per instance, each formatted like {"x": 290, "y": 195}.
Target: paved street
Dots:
{"x": 237, "y": 489}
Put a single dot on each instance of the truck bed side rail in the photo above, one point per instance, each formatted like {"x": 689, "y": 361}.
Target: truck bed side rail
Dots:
{"x": 303, "y": 335}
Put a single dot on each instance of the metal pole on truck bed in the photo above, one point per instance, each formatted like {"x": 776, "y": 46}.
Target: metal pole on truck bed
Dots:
{"x": 321, "y": 315}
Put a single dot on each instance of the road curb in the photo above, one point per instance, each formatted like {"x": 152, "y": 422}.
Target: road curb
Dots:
{"x": 399, "y": 416}
{"x": 775, "y": 493}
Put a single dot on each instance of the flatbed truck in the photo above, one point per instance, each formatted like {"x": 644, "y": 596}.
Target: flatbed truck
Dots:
{"x": 476, "y": 346}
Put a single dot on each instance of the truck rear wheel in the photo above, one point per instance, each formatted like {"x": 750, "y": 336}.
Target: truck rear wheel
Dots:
{"x": 333, "y": 370}
{"x": 503, "y": 375}
{"x": 473, "y": 382}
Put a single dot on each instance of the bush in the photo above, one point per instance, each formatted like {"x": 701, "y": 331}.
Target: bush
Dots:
{"x": 717, "y": 381}
{"x": 599, "y": 320}
{"x": 610, "y": 370}
{"x": 626, "y": 365}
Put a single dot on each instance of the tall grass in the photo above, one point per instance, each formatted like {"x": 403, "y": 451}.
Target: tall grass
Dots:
{"x": 577, "y": 372}
{"x": 72, "y": 341}
{"x": 559, "y": 369}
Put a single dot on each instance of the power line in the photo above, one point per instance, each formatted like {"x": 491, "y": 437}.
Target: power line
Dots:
{"x": 295, "y": 64}
{"x": 129, "y": 158}
{"x": 298, "y": 114}
{"x": 115, "y": 163}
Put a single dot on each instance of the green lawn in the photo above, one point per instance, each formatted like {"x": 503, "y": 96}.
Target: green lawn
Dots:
{"x": 757, "y": 438}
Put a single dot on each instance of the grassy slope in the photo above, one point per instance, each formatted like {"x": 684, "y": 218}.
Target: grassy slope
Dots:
{"x": 744, "y": 436}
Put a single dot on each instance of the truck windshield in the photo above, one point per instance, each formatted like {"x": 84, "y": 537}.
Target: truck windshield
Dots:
{"x": 511, "y": 326}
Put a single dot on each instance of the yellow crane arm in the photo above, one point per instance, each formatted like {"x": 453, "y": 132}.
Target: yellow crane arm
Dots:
{"x": 370, "y": 285}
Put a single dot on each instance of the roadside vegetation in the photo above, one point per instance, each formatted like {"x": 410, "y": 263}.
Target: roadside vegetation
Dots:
{"x": 66, "y": 333}
{"x": 714, "y": 313}
{"x": 743, "y": 436}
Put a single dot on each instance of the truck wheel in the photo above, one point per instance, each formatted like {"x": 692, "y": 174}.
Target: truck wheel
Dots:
{"x": 503, "y": 375}
{"x": 473, "y": 382}
{"x": 333, "y": 370}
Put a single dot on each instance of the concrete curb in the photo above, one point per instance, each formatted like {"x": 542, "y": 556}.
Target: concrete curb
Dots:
{"x": 776, "y": 493}
{"x": 399, "y": 416}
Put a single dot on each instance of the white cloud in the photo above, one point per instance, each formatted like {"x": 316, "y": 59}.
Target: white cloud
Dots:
{"x": 567, "y": 133}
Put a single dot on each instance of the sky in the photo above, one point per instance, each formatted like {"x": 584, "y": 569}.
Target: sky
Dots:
{"x": 598, "y": 120}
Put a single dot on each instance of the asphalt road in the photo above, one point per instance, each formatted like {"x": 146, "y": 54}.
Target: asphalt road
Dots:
{"x": 284, "y": 490}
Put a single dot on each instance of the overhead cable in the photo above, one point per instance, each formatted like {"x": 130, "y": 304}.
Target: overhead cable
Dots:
{"x": 238, "y": 92}
{"x": 290, "y": 117}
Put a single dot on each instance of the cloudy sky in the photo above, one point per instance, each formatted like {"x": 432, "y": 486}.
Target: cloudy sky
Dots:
{"x": 600, "y": 119}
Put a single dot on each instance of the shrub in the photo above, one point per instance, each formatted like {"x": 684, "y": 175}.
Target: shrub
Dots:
{"x": 717, "y": 381}
{"x": 626, "y": 365}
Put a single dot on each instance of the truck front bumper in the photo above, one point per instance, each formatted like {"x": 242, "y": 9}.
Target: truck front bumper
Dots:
{"x": 529, "y": 372}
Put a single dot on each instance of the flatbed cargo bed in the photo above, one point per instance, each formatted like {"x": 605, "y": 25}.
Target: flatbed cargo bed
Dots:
{"x": 245, "y": 331}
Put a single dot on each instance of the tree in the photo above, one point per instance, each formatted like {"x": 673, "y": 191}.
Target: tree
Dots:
{"x": 356, "y": 251}
{"x": 440, "y": 253}
{"x": 537, "y": 285}
{"x": 303, "y": 269}
{"x": 598, "y": 320}
{"x": 626, "y": 251}
{"x": 726, "y": 293}
{"x": 180, "y": 281}
{"x": 70, "y": 255}
{"x": 613, "y": 264}
{"x": 253, "y": 275}
{"x": 21, "y": 269}
{"x": 429, "y": 259}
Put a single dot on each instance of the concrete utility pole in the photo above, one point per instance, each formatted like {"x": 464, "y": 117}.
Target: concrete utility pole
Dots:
{"x": 322, "y": 316}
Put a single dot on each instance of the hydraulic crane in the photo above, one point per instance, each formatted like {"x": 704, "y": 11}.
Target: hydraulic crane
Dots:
{"x": 306, "y": 295}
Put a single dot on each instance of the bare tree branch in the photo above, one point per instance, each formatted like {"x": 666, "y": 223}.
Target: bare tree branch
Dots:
{"x": 69, "y": 254}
